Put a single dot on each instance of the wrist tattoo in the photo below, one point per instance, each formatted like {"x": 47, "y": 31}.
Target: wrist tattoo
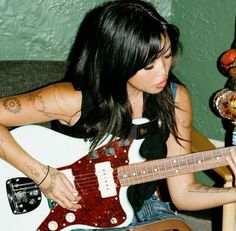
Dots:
{"x": 12, "y": 105}
{"x": 49, "y": 189}
{"x": 207, "y": 189}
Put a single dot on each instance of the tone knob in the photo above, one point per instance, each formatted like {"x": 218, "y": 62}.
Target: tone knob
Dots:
{"x": 70, "y": 217}
{"x": 52, "y": 225}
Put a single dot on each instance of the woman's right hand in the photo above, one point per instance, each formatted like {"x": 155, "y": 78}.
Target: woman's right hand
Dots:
{"x": 55, "y": 186}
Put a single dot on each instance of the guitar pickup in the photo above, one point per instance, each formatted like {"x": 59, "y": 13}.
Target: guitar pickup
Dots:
{"x": 104, "y": 173}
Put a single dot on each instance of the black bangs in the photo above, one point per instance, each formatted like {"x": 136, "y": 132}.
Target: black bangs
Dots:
{"x": 156, "y": 40}
{"x": 153, "y": 42}
{"x": 146, "y": 38}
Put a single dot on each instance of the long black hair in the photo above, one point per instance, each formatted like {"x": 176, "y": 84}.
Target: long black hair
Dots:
{"x": 116, "y": 40}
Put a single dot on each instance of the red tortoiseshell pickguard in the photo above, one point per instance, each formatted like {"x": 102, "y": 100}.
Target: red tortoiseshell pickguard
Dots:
{"x": 96, "y": 211}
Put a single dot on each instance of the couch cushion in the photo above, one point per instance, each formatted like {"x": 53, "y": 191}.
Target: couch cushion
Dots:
{"x": 21, "y": 76}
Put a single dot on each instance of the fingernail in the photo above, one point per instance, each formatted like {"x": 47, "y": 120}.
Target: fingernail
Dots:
{"x": 76, "y": 193}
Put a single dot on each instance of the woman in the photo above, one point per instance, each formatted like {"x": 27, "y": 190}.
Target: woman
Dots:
{"x": 122, "y": 71}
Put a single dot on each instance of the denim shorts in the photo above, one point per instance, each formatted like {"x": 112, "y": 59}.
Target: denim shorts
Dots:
{"x": 152, "y": 210}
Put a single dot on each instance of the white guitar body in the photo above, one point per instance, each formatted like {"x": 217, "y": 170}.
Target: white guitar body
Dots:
{"x": 56, "y": 150}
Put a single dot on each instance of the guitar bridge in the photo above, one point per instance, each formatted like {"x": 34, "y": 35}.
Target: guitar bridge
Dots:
{"x": 23, "y": 195}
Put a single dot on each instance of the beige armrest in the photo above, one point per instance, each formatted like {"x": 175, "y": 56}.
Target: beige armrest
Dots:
{"x": 202, "y": 143}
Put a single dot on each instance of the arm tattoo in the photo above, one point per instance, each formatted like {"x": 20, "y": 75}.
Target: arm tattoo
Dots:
{"x": 12, "y": 105}
{"x": 36, "y": 99}
{"x": 33, "y": 171}
{"x": 2, "y": 150}
{"x": 185, "y": 124}
{"x": 206, "y": 189}
{"x": 39, "y": 105}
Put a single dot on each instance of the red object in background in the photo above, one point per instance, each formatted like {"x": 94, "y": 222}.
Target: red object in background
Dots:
{"x": 228, "y": 63}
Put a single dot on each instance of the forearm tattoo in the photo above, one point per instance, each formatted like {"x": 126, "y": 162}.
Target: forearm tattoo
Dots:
{"x": 4, "y": 156}
{"x": 206, "y": 189}
{"x": 33, "y": 171}
{"x": 12, "y": 105}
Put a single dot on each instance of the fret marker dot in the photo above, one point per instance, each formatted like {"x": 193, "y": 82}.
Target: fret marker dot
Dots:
{"x": 144, "y": 172}
{"x": 174, "y": 161}
{"x": 176, "y": 170}
{"x": 217, "y": 157}
{"x": 199, "y": 161}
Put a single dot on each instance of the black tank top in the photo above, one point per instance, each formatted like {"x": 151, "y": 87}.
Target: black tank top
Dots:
{"x": 153, "y": 147}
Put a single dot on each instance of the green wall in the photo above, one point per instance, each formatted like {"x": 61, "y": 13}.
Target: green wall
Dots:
{"x": 207, "y": 29}
{"x": 45, "y": 30}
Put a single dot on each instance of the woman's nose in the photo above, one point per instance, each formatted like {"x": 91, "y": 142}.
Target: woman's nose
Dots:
{"x": 161, "y": 67}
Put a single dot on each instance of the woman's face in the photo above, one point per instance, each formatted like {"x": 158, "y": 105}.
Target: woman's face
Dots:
{"x": 153, "y": 78}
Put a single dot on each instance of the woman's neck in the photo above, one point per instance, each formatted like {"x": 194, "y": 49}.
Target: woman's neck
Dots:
{"x": 136, "y": 102}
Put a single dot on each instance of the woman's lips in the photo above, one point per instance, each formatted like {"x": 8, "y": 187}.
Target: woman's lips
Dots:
{"x": 161, "y": 84}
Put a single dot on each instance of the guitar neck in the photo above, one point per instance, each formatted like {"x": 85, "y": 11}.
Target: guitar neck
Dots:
{"x": 147, "y": 171}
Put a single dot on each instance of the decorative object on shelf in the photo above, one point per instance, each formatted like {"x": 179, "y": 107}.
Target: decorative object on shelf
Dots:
{"x": 228, "y": 63}
{"x": 225, "y": 100}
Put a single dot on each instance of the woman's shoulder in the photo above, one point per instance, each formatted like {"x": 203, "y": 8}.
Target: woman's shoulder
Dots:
{"x": 179, "y": 89}
{"x": 182, "y": 90}
{"x": 65, "y": 87}
{"x": 65, "y": 91}
{"x": 182, "y": 97}
{"x": 67, "y": 98}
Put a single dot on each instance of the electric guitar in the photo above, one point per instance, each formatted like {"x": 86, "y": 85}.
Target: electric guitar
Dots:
{"x": 101, "y": 177}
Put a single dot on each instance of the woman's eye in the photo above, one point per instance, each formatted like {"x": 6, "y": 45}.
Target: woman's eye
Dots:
{"x": 149, "y": 67}
{"x": 167, "y": 56}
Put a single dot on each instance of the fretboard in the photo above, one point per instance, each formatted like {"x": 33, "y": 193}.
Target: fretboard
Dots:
{"x": 147, "y": 171}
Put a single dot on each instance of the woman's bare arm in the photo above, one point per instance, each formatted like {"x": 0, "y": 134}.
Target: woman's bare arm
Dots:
{"x": 186, "y": 193}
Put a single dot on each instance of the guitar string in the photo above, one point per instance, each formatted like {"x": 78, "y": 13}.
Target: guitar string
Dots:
{"x": 90, "y": 179}
{"x": 81, "y": 181}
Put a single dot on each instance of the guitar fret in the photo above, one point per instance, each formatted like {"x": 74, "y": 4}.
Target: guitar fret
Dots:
{"x": 183, "y": 164}
{"x": 208, "y": 156}
{"x": 199, "y": 161}
{"x": 161, "y": 168}
{"x": 144, "y": 172}
{"x": 204, "y": 160}
{"x": 175, "y": 166}
{"x": 190, "y": 163}
{"x": 167, "y": 165}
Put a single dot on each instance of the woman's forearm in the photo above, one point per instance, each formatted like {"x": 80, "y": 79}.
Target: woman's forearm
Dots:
{"x": 15, "y": 155}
